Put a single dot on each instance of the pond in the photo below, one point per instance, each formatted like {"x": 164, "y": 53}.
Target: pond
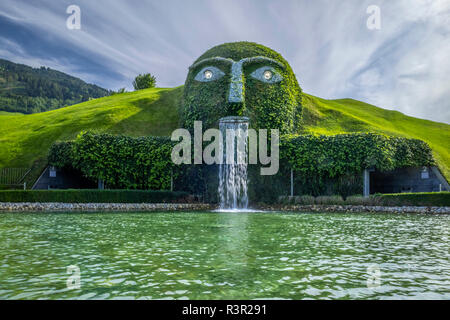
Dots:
{"x": 210, "y": 255}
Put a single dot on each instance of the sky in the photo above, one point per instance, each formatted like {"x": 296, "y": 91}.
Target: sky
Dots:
{"x": 403, "y": 65}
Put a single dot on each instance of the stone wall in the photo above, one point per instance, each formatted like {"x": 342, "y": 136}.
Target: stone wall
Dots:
{"x": 91, "y": 207}
{"x": 139, "y": 207}
{"x": 354, "y": 208}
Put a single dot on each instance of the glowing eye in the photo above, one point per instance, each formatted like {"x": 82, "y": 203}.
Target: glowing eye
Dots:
{"x": 208, "y": 74}
{"x": 268, "y": 74}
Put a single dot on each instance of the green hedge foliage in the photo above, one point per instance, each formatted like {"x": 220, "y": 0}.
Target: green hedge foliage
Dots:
{"x": 426, "y": 199}
{"x": 344, "y": 154}
{"x": 122, "y": 162}
{"x": 92, "y": 196}
{"x": 433, "y": 199}
{"x": 318, "y": 161}
{"x": 60, "y": 154}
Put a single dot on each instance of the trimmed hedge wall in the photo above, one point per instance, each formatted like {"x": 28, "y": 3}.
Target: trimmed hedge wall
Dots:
{"x": 343, "y": 154}
{"x": 334, "y": 164}
{"x": 433, "y": 199}
{"x": 122, "y": 162}
{"x": 92, "y": 196}
{"x": 60, "y": 154}
{"x": 319, "y": 162}
{"x": 421, "y": 199}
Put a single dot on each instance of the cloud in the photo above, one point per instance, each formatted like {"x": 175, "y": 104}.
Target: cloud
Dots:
{"x": 403, "y": 66}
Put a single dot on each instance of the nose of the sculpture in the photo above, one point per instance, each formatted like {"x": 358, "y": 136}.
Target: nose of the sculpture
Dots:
{"x": 236, "y": 99}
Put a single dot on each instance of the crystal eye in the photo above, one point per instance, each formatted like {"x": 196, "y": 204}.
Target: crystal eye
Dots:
{"x": 208, "y": 74}
{"x": 267, "y": 75}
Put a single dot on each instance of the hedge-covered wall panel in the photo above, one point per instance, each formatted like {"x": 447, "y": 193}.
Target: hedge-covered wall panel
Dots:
{"x": 343, "y": 154}
{"x": 322, "y": 164}
{"x": 121, "y": 161}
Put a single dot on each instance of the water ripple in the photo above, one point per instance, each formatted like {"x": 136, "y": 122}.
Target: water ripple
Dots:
{"x": 253, "y": 255}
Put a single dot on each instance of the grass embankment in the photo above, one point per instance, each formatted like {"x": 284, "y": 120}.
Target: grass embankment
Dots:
{"x": 347, "y": 115}
{"x": 26, "y": 139}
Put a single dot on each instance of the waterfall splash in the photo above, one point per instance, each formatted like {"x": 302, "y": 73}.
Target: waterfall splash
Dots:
{"x": 233, "y": 170}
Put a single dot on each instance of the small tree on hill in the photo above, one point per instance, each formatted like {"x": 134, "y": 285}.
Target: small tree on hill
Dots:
{"x": 121, "y": 90}
{"x": 144, "y": 81}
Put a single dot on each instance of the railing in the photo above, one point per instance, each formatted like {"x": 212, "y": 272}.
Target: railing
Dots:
{"x": 13, "y": 177}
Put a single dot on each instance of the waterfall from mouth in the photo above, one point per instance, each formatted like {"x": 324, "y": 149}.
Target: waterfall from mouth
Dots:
{"x": 233, "y": 169}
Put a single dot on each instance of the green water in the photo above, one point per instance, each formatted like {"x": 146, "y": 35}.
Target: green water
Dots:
{"x": 225, "y": 256}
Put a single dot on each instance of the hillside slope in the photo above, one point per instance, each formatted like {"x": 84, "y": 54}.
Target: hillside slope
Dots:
{"x": 347, "y": 115}
{"x": 25, "y": 139}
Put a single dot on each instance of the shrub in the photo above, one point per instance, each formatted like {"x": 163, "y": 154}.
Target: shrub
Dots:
{"x": 60, "y": 154}
{"x": 359, "y": 200}
{"x": 122, "y": 162}
{"x": 304, "y": 200}
{"x": 93, "y": 196}
{"x": 329, "y": 200}
{"x": 347, "y": 154}
{"x": 285, "y": 199}
{"x": 144, "y": 81}
{"x": 121, "y": 90}
{"x": 322, "y": 164}
{"x": 337, "y": 162}
{"x": 439, "y": 199}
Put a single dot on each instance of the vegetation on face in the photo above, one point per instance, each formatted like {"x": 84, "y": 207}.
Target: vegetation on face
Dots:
{"x": 268, "y": 105}
{"x": 31, "y": 90}
{"x": 121, "y": 162}
{"x": 144, "y": 81}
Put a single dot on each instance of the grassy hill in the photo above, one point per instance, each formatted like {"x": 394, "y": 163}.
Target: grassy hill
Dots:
{"x": 347, "y": 115}
{"x": 25, "y": 139}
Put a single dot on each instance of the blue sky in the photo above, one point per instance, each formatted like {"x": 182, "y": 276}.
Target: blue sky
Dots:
{"x": 404, "y": 66}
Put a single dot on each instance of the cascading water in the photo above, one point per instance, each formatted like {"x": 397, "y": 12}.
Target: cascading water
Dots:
{"x": 233, "y": 170}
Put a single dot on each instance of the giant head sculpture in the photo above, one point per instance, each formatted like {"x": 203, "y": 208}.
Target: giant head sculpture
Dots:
{"x": 242, "y": 79}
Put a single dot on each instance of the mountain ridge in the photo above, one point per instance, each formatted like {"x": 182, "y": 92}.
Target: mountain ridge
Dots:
{"x": 30, "y": 90}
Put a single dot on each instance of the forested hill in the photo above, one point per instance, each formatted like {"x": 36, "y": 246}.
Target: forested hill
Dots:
{"x": 30, "y": 90}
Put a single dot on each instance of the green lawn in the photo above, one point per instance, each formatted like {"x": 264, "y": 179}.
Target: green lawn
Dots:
{"x": 25, "y": 139}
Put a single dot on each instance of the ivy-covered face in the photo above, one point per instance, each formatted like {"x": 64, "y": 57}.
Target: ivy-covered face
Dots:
{"x": 242, "y": 79}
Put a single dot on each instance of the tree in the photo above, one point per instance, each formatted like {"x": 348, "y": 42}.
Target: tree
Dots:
{"x": 144, "y": 81}
{"x": 121, "y": 90}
